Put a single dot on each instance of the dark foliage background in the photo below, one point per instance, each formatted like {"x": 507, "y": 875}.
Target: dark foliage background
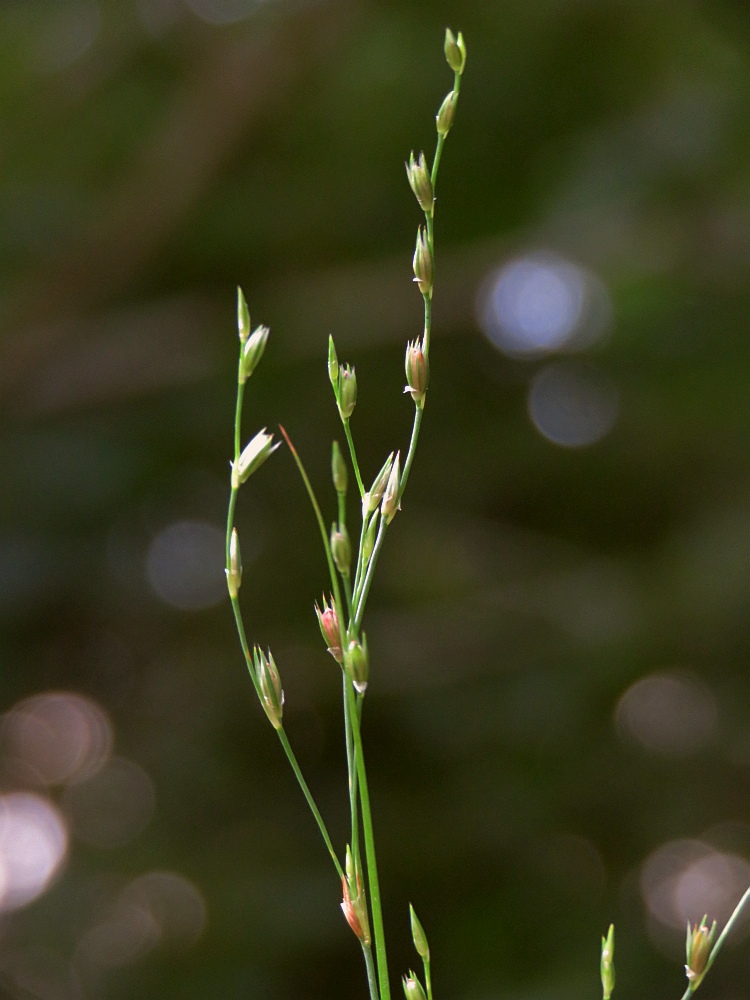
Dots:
{"x": 155, "y": 153}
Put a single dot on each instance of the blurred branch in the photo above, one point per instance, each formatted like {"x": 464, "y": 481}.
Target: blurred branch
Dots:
{"x": 235, "y": 78}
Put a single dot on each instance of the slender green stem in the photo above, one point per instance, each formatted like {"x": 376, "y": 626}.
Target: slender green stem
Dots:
{"x": 727, "y": 929}
{"x": 418, "y": 412}
{"x": 372, "y": 865}
{"x": 372, "y": 980}
{"x": 310, "y": 800}
{"x": 353, "y": 453}
{"x": 427, "y": 977}
{"x": 352, "y": 771}
{"x": 688, "y": 993}
{"x": 319, "y": 519}
{"x": 284, "y": 741}
{"x": 360, "y": 605}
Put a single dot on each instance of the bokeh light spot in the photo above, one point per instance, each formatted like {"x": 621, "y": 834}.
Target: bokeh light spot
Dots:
{"x": 540, "y": 303}
{"x": 56, "y": 737}
{"x": 573, "y": 405}
{"x": 685, "y": 879}
{"x": 33, "y": 844}
{"x": 670, "y": 714}
{"x": 185, "y": 565}
{"x": 113, "y": 807}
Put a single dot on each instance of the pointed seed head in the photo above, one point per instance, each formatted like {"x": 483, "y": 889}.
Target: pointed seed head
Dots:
{"x": 243, "y": 316}
{"x": 341, "y": 549}
{"x": 371, "y": 499}
{"x": 418, "y": 936}
{"x": 252, "y": 351}
{"x": 455, "y": 51}
{"x": 413, "y": 988}
{"x": 444, "y": 117}
{"x": 369, "y": 543}
{"x": 333, "y": 364}
{"x": 347, "y": 391}
{"x": 422, "y": 263}
{"x": 234, "y": 569}
{"x": 330, "y": 628}
{"x": 698, "y": 947}
{"x": 269, "y": 681}
{"x": 253, "y": 456}
{"x": 392, "y": 492}
{"x": 417, "y": 371}
{"x": 607, "y": 965}
{"x": 338, "y": 470}
{"x": 420, "y": 183}
{"x": 357, "y": 664}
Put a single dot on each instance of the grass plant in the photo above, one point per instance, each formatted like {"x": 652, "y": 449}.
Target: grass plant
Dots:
{"x": 341, "y": 614}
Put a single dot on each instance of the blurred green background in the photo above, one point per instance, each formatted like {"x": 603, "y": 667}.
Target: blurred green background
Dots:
{"x": 558, "y": 720}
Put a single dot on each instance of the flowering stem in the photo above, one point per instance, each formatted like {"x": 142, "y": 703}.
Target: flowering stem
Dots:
{"x": 372, "y": 980}
{"x": 372, "y": 866}
{"x": 427, "y": 977}
{"x": 353, "y": 453}
{"x": 360, "y": 604}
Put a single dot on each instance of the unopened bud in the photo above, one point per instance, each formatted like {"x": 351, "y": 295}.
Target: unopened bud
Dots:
{"x": 333, "y": 363}
{"x": 243, "y": 316}
{"x": 354, "y": 905}
{"x": 252, "y": 352}
{"x": 413, "y": 988}
{"x": 444, "y": 117}
{"x": 269, "y": 682}
{"x": 698, "y": 946}
{"x": 422, "y": 262}
{"x": 338, "y": 469}
{"x": 253, "y": 456}
{"x": 420, "y": 183}
{"x": 455, "y": 51}
{"x": 347, "y": 391}
{"x": 369, "y": 542}
{"x": 418, "y": 936}
{"x": 417, "y": 371}
{"x": 357, "y": 664}
{"x": 330, "y": 629}
{"x": 371, "y": 499}
{"x": 607, "y": 966}
{"x": 341, "y": 549}
{"x": 392, "y": 492}
{"x": 234, "y": 569}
